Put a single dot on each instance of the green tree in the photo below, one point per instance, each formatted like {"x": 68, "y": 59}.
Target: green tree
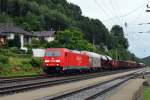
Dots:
{"x": 71, "y": 39}
{"x": 33, "y": 6}
{"x": 118, "y": 37}
{"x": 95, "y": 32}
{"x": 32, "y": 22}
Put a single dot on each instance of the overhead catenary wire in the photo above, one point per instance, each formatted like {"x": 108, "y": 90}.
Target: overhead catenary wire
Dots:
{"x": 131, "y": 29}
{"x": 119, "y": 10}
{"x": 135, "y": 19}
{"x": 127, "y": 14}
{"x": 99, "y": 5}
{"x": 115, "y": 12}
{"x": 102, "y": 9}
{"x": 121, "y": 18}
{"x": 138, "y": 16}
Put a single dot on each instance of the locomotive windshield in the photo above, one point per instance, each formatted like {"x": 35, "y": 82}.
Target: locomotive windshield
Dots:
{"x": 53, "y": 53}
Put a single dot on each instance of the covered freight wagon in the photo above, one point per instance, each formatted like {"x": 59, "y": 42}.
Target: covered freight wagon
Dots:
{"x": 94, "y": 59}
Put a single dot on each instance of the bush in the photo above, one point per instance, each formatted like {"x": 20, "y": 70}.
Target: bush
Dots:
{"x": 30, "y": 52}
{"x": 15, "y": 50}
{"x": 3, "y": 59}
{"x": 36, "y": 62}
{"x": 26, "y": 63}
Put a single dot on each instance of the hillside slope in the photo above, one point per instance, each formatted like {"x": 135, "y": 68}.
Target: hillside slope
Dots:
{"x": 59, "y": 15}
{"x": 146, "y": 60}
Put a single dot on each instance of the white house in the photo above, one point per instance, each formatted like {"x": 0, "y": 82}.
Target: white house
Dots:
{"x": 44, "y": 35}
{"x": 8, "y": 32}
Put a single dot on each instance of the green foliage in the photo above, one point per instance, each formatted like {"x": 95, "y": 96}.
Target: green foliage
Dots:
{"x": 30, "y": 52}
{"x": 5, "y": 18}
{"x": 95, "y": 32}
{"x": 36, "y": 43}
{"x": 15, "y": 50}
{"x": 146, "y": 60}
{"x": 71, "y": 39}
{"x": 14, "y": 63}
{"x": 31, "y": 22}
{"x": 3, "y": 59}
{"x": 36, "y": 62}
{"x": 59, "y": 15}
{"x": 37, "y": 15}
{"x": 118, "y": 37}
{"x": 147, "y": 93}
{"x": 122, "y": 54}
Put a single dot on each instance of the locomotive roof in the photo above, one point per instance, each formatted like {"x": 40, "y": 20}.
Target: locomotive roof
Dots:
{"x": 92, "y": 54}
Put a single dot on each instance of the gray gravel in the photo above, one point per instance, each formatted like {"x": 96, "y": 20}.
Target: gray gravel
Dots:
{"x": 82, "y": 95}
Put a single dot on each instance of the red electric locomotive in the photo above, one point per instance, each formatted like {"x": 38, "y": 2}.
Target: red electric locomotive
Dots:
{"x": 61, "y": 59}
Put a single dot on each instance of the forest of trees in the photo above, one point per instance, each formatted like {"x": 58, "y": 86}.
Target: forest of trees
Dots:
{"x": 74, "y": 30}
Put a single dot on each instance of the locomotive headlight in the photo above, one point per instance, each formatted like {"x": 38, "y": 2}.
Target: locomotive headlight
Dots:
{"x": 57, "y": 61}
{"x": 46, "y": 61}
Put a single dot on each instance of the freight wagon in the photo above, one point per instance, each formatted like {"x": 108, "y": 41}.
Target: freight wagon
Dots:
{"x": 116, "y": 64}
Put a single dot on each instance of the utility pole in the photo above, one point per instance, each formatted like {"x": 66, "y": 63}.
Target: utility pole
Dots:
{"x": 93, "y": 42}
{"x": 116, "y": 54}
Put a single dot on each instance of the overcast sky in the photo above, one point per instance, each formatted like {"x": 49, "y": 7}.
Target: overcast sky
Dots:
{"x": 132, "y": 12}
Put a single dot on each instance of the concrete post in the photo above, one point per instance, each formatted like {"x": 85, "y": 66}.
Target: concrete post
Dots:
{"x": 22, "y": 40}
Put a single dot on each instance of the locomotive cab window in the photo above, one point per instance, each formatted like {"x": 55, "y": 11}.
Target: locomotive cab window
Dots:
{"x": 53, "y": 53}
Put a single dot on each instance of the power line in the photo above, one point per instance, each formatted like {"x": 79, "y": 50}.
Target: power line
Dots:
{"x": 127, "y": 14}
{"x": 103, "y": 10}
{"x": 99, "y": 5}
{"x": 113, "y": 11}
{"x": 138, "y": 16}
{"x": 116, "y": 15}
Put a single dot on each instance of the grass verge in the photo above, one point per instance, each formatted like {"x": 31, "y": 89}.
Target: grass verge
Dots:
{"x": 14, "y": 63}
{"x": 147, "y": 91}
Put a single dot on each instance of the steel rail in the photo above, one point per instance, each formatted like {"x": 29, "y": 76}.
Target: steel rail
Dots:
{"x": 92, "y": 92}
{"x": 19, "y": 86}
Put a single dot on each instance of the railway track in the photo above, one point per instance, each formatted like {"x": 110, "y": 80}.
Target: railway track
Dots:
{"x": 5, "y": 80}
{"x": 17, "y": 79}
{"x": 94, "y": 92}
{"x": 9, "y": 86}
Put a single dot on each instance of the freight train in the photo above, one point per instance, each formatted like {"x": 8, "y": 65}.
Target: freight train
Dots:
{"x": 58, "y": 60}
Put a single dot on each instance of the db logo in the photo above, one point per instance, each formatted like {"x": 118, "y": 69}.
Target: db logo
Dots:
{"x": 79, "y": 58}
